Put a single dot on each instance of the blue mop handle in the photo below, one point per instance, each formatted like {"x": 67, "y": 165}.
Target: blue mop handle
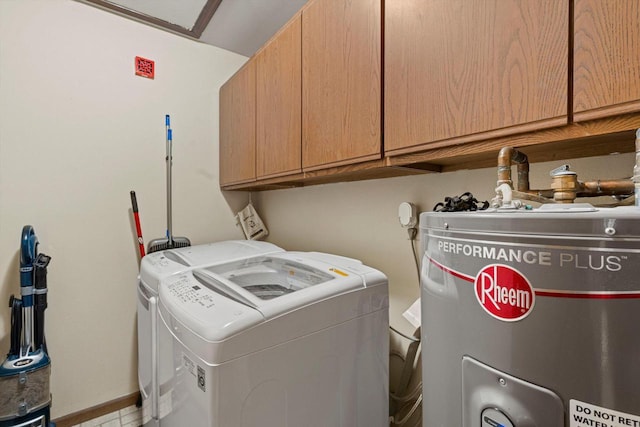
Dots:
{"x": 169, "y": 164}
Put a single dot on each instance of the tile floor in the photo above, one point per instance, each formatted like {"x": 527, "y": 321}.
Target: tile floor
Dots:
{"x": 127, "y": 417}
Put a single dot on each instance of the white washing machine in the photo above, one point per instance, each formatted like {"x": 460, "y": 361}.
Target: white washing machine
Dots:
{"x": 289, "y": 339}
{"x": 152, "y": 378}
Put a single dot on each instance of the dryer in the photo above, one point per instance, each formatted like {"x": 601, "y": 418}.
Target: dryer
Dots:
{"x": 287, "y": 339}
{"x": 153, "y": 268}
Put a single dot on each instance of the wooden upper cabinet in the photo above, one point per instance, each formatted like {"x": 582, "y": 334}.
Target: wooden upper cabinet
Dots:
{"x": 279, "y": 101}
{"x": 606, "y": 68}
{"x": 238, "y": 127}
{"x": 463, "y": 70}
{"x": 341, "y": 82}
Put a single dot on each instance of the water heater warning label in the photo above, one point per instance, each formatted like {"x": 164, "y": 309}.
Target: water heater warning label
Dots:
{"x": 587, "y": 415}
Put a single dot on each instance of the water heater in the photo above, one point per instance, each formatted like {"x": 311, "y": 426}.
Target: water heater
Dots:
{"x": 531, "y": 317}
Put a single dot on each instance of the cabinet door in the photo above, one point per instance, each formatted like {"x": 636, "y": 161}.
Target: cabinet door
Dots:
{"x": 464, "y": 70}
{"x": 606, "y": 68}
{"x": 341, "y": 82}
{"x": 279, "y": 101}
{"x": 238, "y": 127}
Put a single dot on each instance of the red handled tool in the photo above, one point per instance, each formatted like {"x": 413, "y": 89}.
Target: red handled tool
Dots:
{"x": 134, "y": 206}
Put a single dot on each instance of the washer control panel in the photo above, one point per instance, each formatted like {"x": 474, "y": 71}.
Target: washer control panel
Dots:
{"x": 190, "y": 293}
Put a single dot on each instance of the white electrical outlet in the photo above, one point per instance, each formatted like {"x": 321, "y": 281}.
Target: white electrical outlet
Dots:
{"x": 407, "y": 215}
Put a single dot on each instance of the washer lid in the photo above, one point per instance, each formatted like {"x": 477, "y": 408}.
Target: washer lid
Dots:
{"x": 220, "y": 252}
{"x": 160, "y": 264}
{"x": 278, "y": 283}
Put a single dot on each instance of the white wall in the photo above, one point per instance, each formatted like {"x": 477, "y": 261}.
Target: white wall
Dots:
{"x": 360, "y": 219}
{"x": 78, "y": 131}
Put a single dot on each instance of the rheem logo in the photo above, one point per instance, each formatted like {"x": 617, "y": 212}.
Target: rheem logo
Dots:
{"x": 504, "y": 292}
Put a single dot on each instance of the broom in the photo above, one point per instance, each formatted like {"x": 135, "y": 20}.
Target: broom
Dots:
{"x": 170, "y": 241}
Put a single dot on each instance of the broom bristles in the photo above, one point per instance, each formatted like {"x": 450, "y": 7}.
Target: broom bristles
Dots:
{"x": 164, "y": 244}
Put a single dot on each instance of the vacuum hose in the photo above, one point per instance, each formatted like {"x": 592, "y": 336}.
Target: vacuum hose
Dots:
{"x": 40, "y": 300}
{"x": 16, "y": 325}
{"x": 28, "y": 251}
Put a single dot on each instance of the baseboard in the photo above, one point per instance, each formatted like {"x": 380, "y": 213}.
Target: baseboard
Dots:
{"x": 97, "y": 411}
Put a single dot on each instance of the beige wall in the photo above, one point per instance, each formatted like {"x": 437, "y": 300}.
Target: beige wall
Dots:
{"x": 78, "y": 131}
{"x": 360, "y": 219}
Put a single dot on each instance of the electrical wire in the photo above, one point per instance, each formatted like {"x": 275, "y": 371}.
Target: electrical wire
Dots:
{"x": 397, "y": 354}
{"x": 417, "y": 390}
{"x": 412, "y": 237}
{"x": 413, "y": 339}
{"x": 406, "y": 418}
{"x": 407, "y": 397}
{"x": 629, "y": 201}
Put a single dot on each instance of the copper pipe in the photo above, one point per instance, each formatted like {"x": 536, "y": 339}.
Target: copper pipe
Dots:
{"x": 545, "y": 194}
{"x": 533, "y": 196}
{"x": 618, "y": 187}
{"x": 504, "y": 166}
{"x": 564, "y": 187}
{"x": 508, "y": 156}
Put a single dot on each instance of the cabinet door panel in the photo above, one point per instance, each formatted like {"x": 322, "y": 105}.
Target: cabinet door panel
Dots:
{"x": 341, "y": 82}
{"x": 457, "y": 68}
{"x": 238, "y": 127}
{"x": 279, "y": 101}
{"x": 606, "y": 58}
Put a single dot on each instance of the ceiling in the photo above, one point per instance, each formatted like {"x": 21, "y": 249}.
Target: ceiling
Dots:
{"x": 241, "y": 26}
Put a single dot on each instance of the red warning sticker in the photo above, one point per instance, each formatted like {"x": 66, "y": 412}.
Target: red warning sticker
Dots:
{"x": 504, "y": 292}
{"x": 145, "y": 67}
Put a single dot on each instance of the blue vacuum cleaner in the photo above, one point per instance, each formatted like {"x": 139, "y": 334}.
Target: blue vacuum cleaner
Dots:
{"x": 25, "y": 398}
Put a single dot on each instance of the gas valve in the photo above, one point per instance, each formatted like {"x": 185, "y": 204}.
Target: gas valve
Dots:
{"x": 565, "y": 184}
